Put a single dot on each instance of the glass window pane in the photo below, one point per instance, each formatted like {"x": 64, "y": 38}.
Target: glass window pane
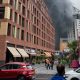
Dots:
{"x": 16, "y": 66}
{"x": 9, "y": 30}
{"x": 2, "y": 11}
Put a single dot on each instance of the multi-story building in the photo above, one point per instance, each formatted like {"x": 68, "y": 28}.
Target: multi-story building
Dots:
{"x": 77, "y": 26}
{"x": 71, "y": 33}
{"x": 24, "y": 26}
{"x": 74, "y": 31}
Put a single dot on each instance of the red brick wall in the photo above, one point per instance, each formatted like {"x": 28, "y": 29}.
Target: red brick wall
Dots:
{"x": 2, "y": 48}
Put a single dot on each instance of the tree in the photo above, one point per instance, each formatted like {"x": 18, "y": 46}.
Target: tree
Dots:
{"x": 73, "y": 47}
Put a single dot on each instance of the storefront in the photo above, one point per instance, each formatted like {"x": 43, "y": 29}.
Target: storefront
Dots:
{"x": 24, "y": 55}
{"x": 12, "y": 54}
{"x": 16, "y": 54}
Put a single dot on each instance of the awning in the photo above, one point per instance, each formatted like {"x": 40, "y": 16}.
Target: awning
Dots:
{"x": 47, "y": 54}
{"x": 14, "y": 51}
{"x": 22, "y": 52}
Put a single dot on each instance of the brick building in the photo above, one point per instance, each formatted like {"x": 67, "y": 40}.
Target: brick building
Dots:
{"x": 25, "y": 27}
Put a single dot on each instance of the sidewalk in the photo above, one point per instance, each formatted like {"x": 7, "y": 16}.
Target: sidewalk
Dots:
{"x": 40, "y": 69}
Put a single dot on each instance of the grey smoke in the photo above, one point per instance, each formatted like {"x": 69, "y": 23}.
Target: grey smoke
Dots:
{"x": 61, "y": 13}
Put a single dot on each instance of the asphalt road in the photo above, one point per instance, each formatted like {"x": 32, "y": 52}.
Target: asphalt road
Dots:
{"x": 42, "y": 73}
{"x": 43, "y": 76}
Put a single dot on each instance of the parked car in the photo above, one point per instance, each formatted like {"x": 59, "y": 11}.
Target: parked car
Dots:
{"x": 17, "y": 71}
{"x": 73, "y": 74}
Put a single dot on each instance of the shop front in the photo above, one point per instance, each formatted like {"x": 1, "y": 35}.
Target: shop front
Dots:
{"x": 16, "y": 54}
{"x": 25, "y": 56}
{"x": 12, "y": 54}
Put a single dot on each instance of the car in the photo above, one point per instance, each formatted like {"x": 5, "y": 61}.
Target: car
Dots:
{"x": 73, "y": 74}
{"x": 17, "y": 71}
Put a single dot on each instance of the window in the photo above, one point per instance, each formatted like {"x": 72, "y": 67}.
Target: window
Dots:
{"x": 37, "y": 13}
{"x": 19, "y": 6}
{"x": 37, "y": 22}
{"x": 27, "y": 2}
{"x": 30, "y": 37}
{"x": 0, "y": 1}
{"x": 18, "y": 32}
{"x": 39, "y": 16}
{"x": 33, "y": 10}
{"x": 37, "y": 31}
{"x": 34, "y": 20}
{"x": 9, "y": 29}
{"x": 24, "y": 1}
{"x": 15, "y": 66}
{"x": 27, "y": 24}
{"x": 32, "y": 17}
{"x": 28, "y": 14}
{"x": 19, "y": 19}
{"x": 15, "y": 3}
{"x": 27, "y": 36}
{"x": 15, "y": 17}
{"x": 37, "y": 41}
{"x": 6, "y": 67}
{"x": 11, "y": 2}
{"x": 34, "y": 29}
{"x": 23, "y": 10}
{"x": 13, "y": 31}
{"x": 10, "y": 13}
{"x": 10, "y": 66}
{"x": 22, "y": 35}
{"x": 2, "y": 11}
{"x": 23, "y": 21}
{"x": 34, "y": 39}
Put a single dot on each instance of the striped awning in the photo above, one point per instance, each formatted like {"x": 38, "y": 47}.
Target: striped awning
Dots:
{"x": 14, "y": 52}
{"x": 47, "y": 54}
{"x": 22, "y": 52}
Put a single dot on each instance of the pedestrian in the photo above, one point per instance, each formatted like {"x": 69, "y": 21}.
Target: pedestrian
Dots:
{"x": 47, "y": 64}
{"x": 60, "y": 73}
{"x": 51, "y": 64}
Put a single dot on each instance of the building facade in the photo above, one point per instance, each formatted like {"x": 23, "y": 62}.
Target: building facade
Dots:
{"x": 25, "y": 26}
{"x": 74, "y": 31}
{"x": 63, "y": 44}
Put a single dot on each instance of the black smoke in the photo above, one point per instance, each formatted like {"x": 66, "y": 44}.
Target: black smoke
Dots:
{"x": 61, "y": 14}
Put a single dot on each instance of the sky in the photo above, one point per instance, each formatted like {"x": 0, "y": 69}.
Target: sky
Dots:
{"x": 76, "y": 3}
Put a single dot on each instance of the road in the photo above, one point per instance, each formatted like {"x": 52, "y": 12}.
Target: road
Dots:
{"x": 43, "y": 74}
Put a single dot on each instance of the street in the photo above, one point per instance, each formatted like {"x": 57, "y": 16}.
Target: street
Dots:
{"x": 43, "y": 74}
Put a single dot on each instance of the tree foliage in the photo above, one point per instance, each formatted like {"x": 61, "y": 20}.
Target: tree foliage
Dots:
{"x": 73, "y": 46}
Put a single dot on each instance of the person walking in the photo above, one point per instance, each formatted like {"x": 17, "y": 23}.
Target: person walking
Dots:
{"x": 51, "y": 64}
{"x": 60, "y": 73}
{"x": 47, "y": 64}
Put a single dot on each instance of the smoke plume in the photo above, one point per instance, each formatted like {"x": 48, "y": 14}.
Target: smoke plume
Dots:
{"x": 61, "y": 14}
